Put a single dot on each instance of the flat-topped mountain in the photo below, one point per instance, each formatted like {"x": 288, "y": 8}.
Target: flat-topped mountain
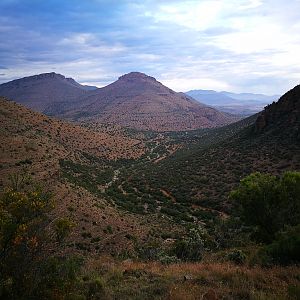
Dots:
{"x": 39, "y": 91}
{"x": 139, "y": 101}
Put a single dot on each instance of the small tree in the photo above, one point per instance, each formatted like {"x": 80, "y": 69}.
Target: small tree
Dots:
{"x": 25, "y": 244}
{"x": 23, "y": 218}
{"x": 63, "y": 227}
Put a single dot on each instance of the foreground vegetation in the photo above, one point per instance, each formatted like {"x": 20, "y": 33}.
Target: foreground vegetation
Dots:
{"x": 251, "y": 255}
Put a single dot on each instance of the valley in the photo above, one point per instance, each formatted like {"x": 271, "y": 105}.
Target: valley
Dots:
{"x": 138, "y": 197}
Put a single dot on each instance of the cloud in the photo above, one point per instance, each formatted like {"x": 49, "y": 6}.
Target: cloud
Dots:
{"x": 240, "y": 45}
{"x": 191, "y": 14}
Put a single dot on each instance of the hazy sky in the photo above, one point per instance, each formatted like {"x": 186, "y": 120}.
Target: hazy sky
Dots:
{"x": 234, "y": 45}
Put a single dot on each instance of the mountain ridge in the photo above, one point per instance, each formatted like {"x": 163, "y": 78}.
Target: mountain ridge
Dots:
{"x": 135, "y": 100}
{"x": 139, "y": 101}
{"x": 235, "y": 103}
{"x": 37, "y": 92}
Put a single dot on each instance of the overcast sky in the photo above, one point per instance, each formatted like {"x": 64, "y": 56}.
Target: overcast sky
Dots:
{"x": 233, "y": 45}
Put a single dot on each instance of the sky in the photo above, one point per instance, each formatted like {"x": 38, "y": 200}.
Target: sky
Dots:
{"x": 232, "y": 45}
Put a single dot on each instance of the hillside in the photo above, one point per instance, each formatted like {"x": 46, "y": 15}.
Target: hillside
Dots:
{"x": 138, "y": 101}
{"x": 134, "y": 196}
{"x": 35, "y": 145}
{"x": 283, "y": 115}
{"x": 135, "y": 100}
{"x": 194, "y": 184}
{"x": 38, "y": 92}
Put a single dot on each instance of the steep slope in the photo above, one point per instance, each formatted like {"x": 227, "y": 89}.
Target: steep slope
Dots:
{"x": 138, "y": 101}
{"x": 38, "y": 92}
{"x": 283, "y": 115}
{"x": 18, "y": 123}
{"x": 36, "y": 145}
{"x": 194, "y": 184}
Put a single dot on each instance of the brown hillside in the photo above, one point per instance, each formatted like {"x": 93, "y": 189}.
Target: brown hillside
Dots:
{"x": 35, "y": 144}
{"x": 20, "y": 124}
{"x": 139, "y": 101}
{"x": 205, "y": 174}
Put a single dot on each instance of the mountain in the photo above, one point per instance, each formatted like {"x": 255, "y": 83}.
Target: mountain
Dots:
{"x": 240, "y": 104}
{"x": 135, "y": 100}
{"x": 38, "y": 92}
{"x": 211, "y": 97}
{"x": 251, "y": 97}
{"x": 139, "y": 101}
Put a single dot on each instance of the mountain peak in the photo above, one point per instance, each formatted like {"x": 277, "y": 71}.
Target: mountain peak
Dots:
{"x": 132, "y": 76}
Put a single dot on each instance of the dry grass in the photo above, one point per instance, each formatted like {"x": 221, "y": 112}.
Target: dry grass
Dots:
{"x": 193, "y": 280}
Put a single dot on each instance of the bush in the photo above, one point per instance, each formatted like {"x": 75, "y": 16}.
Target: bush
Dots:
{"x": 56, "y": 275}
{"x": 26, "y": 272}
{"x": 286, "y": 248}
{"x": 268, "y": 203}
{"x": 96, "y": 288}
{"x": 237, "y": 256}
{"x": 166, "y": 259}
{"x": 63, "y": 227}
{"x": 191, "y": 248}
{"x": 294, "y": 291}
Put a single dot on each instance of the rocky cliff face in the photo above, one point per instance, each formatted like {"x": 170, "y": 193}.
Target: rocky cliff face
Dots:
{"x": 282, "y": 115}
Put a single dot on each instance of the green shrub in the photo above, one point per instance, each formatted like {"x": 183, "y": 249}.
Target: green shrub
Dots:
{"x": 166, "y": 259}
{"x": 237, "y": 256}
{"x": 286, "y": 247}
{"x": 268, "y": 203}
{"x": 96, "y": 288}
{"x": 63, "y": 227}
{"x": 190, "y": 248}
{"x": 294, "y": 291}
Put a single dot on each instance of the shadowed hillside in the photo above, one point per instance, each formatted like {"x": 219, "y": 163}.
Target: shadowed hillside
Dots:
{"x": 38, "y": 92}
{"x": 197, "y": 181}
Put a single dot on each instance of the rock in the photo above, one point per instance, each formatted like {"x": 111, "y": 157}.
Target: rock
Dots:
{"x": 187, "y": 277}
